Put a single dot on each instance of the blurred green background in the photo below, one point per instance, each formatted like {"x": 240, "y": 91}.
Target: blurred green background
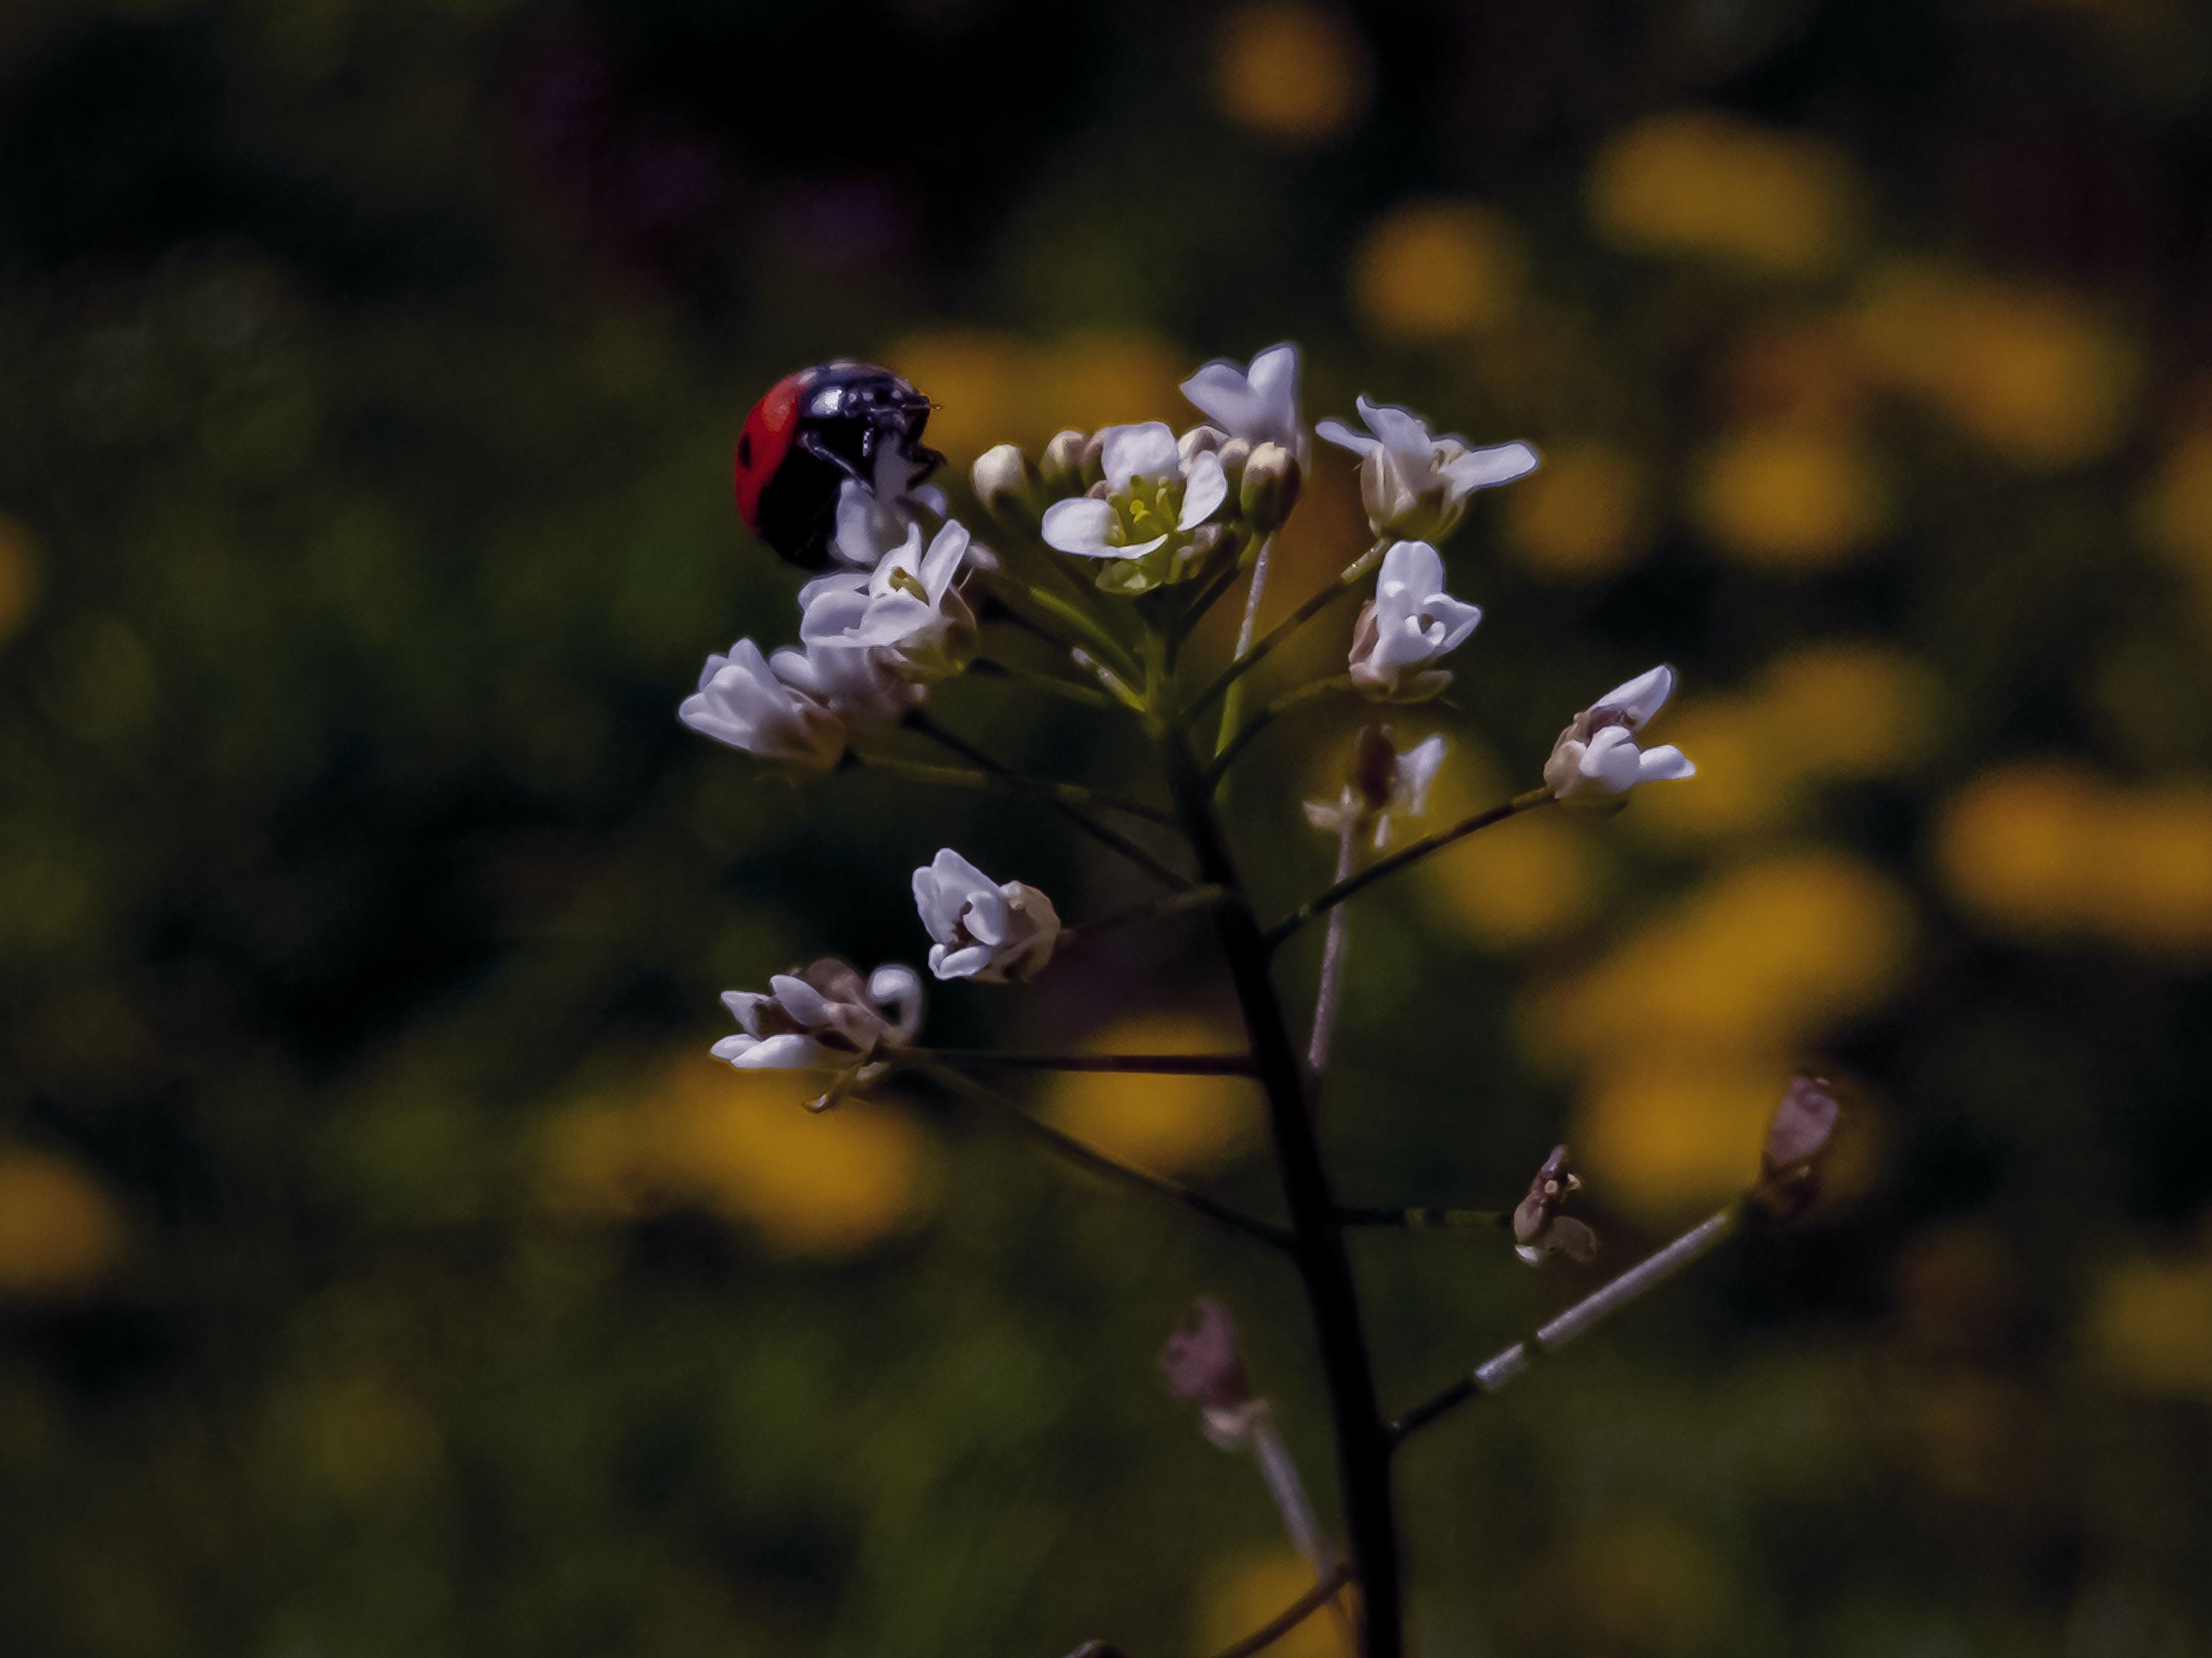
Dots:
{"x": 384, "y": 1267}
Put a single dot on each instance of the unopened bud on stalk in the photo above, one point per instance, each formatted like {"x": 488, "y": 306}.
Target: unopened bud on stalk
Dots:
{"x": 1374, "y": 776}
{"x": 1539, "y": 1230}
{"x": 1234, "y": 455}
{"x": 1062, "y": 466}
{"x": 1269, "y": 487}
{"x": 1009, "y": 486}
{"x": 1200, "y": 440}
{"x": 1797, "y": 1138}
{"x": 1094, "y": 458}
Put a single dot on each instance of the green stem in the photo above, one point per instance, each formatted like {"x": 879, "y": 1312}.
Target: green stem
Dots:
{"x": 1050, "y": 684}
{"x": 1346, "y": 582}
{"x": 1105, "y": 834}
{"x": 1585, "y": 1314}
{"x": 1259, "y": 722}
{"x": 1005, "y": 586}
{"x": 1083, "y": 1156}
{"x": 1246, "y": 630}
{"x": 1363, "y": 1443}
{"x": 1330, "y": 898}
{"x": 1011, "y": 782}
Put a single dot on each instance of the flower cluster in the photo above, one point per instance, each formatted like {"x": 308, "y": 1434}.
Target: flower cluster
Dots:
{"x": 872, "y": 642}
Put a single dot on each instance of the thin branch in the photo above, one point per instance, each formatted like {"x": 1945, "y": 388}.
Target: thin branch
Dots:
{"x": 1419, "y": 849}
{"x": 1087, "y": 1157}
{"x": 1426, "y": 1219}
{"x": 1646, "y": 1275}
{"x": 1351, "y": 824}
{"x": 1167, "y": 905}
{"x": 1246, "y": 630}
{"x": 1010, "y": 781}
{"x": 1292, "y": 1616}
{"x": 1151, "y": 1065}
{"x": 1105, "y": 834}
{"x": 1003, "y": 585}
{"x": 1346, "y": 581}
{"x": 1266, "y": 717}
{"x": 1050, "y": 684}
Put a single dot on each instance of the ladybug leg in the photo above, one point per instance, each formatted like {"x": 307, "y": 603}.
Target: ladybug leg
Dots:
{"x": 926, "y": 461}
{"x": 811, "y": 443}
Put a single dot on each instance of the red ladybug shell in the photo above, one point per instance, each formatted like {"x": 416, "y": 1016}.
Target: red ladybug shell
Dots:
{"x": 814, "y": 432}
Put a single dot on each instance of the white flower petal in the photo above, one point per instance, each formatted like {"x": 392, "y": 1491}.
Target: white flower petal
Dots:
{"x": 1207, "y": 487}
{"x": 1611, "y": 761}
{"x": 1664, "y": 764}
{"x": 786, "y": 1053}
{"x": 1145, "y": 450}
{"x": 1641, "y": 697}
{"x": 1080, "y": 525}
{"x": 1336, "y": 431}
{"x": 1483, "y": 468}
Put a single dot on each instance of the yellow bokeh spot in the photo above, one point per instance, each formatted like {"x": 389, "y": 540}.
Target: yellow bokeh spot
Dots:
{"x": 1292, "y": 70}
{"x": 1106, "y": 379}
{"x": 1580, "y": 513}
{"x": 742, "y": 1143}
{"x": 2151, "y": 1324}
{"x": 1179, "y": 1125}
{"x": 1701, "y": 182}
{"x": 980, "y": 383}
{"x": 19, "y": 576}
{"x": 1433, "y": 270}
{"x": 1746, "y": 782}
{"x": 2031, "y": 372}
{"x": 1789, "y": 498}
{"x": 1753, "y": 961}
{"x": 1672, "y": 1132}
{"x": 2050, "y": 851}
{"x": 60, "y": 1233}
{"x": 2177, "y": 511}
{"x": 1251, "y": 1592}
{"x": 1518, "y": 885}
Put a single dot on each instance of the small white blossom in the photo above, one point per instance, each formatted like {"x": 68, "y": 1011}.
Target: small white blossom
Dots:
{"x": 1597, "y": 761}
{"x": 1415, "y": 484}
{"x": 1398, "y": 791}
{"x": 860, "y": 686}
{"x": 983, "y": 930}
{"x": 1150, "y": 501}
{"x": 824, "y": 1016}
{"x": 1410, "y": 625}
{"x": 1258, "y": 404}
{"x": 750, "y": 704}
{"x": 906, "y": 609}
{"x": 871, "y": 521}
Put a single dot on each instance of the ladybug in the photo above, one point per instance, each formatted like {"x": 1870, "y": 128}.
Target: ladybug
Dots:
{"x": 814, "y": 430}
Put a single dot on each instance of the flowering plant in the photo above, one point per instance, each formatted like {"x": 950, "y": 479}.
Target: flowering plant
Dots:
{"x": 1112, "y": 547}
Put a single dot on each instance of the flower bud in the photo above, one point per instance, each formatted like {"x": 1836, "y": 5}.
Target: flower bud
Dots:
{"x": 1200, "y": 440}
{"x": 1539, "y": 1230}
{"x": 1009, "y": 486}
{"x": 1062, "y": 466}
{"x": 1234, "y": 456}
{"x": 1094, "y": 457}
{"x": 1374, "y": 766}
{"x": 1269, "y": 487}
{"x": 1798, "y": 1138}
{"x": 1202, "y": 1366}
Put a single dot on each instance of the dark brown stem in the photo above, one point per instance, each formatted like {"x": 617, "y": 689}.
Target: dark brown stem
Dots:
{"x": 1363, "y": 1442}
{"x": 1291, "y": 1616}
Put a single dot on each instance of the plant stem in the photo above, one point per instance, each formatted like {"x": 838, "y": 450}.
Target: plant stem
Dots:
{"x": 1246, "y": 630}
{"x": 1103, "y": 834}
{"x": 1291, "y": 1616}
{"x": 1266, "y": 717}
{"x": 1333, "y": 897}
{"x": 1049, "y": 684}
{"x": 1348, "y": 578}
{"x": 1157, "y": 910}
{"x": 1010, "y": 781}
{"x": 1330, "y": 996}
{"x": 1086, "y": 1156}
{"x": 1601, "y": 1304}
{"x": 1153, "y": 1065}
{"x": 1363, "y": 1443}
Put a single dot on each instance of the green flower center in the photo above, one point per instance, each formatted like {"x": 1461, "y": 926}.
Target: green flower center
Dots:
{"x": 1146, "y": 510}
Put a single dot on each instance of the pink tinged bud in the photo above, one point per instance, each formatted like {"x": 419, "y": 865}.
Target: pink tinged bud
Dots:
{"x": 1797, "y": 1139}
{"x": 1539, "y": 1230}
{"x": 1202, "y": 1365}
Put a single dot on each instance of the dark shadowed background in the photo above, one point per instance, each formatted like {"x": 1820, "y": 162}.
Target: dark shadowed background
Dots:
{"x": 383, "y": 1266}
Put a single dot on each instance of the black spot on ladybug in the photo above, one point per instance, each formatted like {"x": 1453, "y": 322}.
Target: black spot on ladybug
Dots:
{"x": 813, "y": 431}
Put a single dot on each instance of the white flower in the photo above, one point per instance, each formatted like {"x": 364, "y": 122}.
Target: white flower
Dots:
{"x": 1597, "y": 761}
{"x": 1151, "y": 500}
{"x": 1416, "y": 485}
{"x": 871, "y": 521}
{"x": 1411, "y": 623}
{"x": 1386, "y": 793}
{"x": 824, "y": 1016}
{"x": 750, "y": 704}
{"x": 1258, "y": 404}
{"x": 984, "y": 931}
{"x": 906, "y": 609}
{"x": 861, "y": 687}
